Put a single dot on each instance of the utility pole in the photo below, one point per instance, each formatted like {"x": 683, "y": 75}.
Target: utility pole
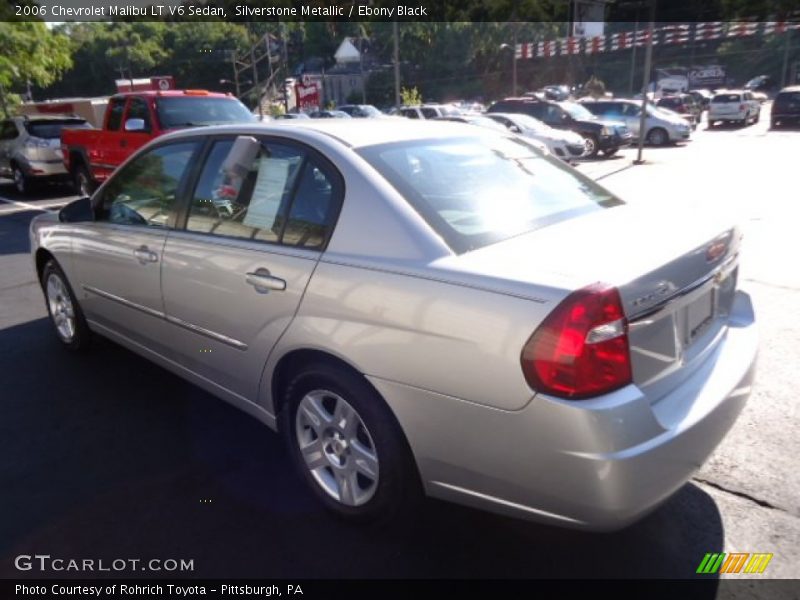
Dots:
{"x": 396, "y": 65}
{"x": 784, "y": 68}
{"x": 648, "y": 63}
{"x": 235, "y": 73}
{"x": 514, "y": 64}
{"x": 361, "y": 67}
{"x": 255, "y": 81}
{"x": 633, "y": 52}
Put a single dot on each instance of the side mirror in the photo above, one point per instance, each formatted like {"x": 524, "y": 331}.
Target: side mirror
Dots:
{"x": 78, "y": 211}
{"x": 134, "y": 125}
{"x": 515, "y": 129}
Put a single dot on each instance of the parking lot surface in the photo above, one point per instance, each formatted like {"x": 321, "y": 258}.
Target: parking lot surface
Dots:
{"x": 108, "y": 456}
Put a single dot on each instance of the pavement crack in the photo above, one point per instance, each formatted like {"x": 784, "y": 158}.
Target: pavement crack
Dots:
{"x": 739, "y": 494}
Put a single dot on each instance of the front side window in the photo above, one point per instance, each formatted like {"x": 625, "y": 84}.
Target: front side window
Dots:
{"x": 285, "y": 197}
{"x": 144, "y": 192}
{"x": 480, "y": 190}
{"x": 138, "y": 110}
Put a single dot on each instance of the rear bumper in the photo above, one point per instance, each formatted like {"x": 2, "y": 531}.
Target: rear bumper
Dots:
{"x": 42, "y": 168}
{"x": 596, "y": 464}
{"x": 727, "y": 117}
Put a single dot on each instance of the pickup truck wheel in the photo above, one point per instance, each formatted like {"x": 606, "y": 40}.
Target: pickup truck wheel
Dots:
{"x": 83, "y": 181}
{"x": 22, "y": 182}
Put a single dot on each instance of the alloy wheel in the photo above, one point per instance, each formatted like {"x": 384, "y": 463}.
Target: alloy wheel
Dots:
{"x": 19, "y": 181}
{"x": 61, "y": 309}
{"x": 337, "y": 448}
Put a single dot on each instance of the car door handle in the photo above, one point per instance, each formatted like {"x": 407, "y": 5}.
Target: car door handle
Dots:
{"x": 144, "y": 255}
{"x": 264, "y": 282}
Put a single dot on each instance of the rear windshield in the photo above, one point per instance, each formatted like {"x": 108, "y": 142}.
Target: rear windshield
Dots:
{"x": 192, "y": 111}
{"x": 51, "y": 129}
{"x": 720, "y": 98}
{"x": 480, "y": 190}
{"x": 670, "y": 102}
{"x": 786, "y": 98}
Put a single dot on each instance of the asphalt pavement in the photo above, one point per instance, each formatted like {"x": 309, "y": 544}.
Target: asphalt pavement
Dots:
{"x": 108, "y": 456}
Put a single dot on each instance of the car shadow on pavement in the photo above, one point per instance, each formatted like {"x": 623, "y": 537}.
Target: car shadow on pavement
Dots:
{"x": 106, "y": 455}
{"x": 40, "y": 191}
{"x": 13, "y": 238}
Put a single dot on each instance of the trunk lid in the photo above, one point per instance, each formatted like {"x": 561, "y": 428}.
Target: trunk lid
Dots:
{"x": 676, "y": 276}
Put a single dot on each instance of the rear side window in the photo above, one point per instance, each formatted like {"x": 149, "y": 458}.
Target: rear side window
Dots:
{"x": 429, "y": 113}
{"x": 51, "y": 129}
{"x": 480, "y": 190}
{"x": 286, "y": 197}
{"x": 724, "y": 98}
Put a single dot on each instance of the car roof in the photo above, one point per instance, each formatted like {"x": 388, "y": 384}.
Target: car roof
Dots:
{"x": 791, "y": 88}
{"x": 354, "y": 133}
{"x": 50, "y": 117}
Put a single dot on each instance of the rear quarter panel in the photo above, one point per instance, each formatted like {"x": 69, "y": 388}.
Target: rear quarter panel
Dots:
{"x": 451, "y": 339}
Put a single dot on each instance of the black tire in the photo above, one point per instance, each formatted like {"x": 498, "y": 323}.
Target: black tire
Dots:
{"x": 775, "y": 124}
{"x": 398, "y": 489}
{"x": 22, "y": 183}
{"x": 610, "y": 152}
{"x": 657, "y": 137}
{"x": 82, "y": 336}
{"x": 758, "y": 117}
{"x": 592, "y": 146}
{"x": 82, "y": 180}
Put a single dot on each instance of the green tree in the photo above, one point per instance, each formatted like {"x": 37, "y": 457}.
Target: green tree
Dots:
{"x": 30, "y": 52}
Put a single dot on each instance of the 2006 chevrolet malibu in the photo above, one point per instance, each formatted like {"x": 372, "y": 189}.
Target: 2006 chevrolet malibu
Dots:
{"x": 418, "y": 308}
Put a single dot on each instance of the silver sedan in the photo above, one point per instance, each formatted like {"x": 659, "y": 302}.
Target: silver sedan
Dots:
{"x": 418, "y": 309}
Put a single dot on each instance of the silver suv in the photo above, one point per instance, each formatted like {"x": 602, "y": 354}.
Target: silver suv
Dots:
{"x": 30, "y": 148}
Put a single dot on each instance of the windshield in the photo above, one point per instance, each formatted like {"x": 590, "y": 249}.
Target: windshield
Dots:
{"x": 787, "y": 98}
{"x": 577, "y": 111}
{"x": 480, "y": 190}
{"x": 51, "y": 129}
{"x": 197, "y": 110}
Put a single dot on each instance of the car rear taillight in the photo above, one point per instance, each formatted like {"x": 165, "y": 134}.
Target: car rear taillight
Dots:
{"x": 581, "y": 348}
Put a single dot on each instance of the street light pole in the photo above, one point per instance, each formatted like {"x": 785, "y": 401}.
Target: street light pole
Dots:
{"x": 648, "y": 62}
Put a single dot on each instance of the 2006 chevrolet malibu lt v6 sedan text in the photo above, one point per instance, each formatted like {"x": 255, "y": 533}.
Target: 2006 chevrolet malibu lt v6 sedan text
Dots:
{"x": 449, "y": 312}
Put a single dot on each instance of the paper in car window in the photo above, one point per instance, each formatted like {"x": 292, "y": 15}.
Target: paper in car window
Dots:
{"x": 273, "y": 174}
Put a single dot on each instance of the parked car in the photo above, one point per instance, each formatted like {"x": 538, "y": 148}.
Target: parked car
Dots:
{"x": 415, "y": 307}
{"x": 660, "y": 127}
{"x": 786, "y": 107}
{"x": 361, "y": 111}
{"x": 558, "y": 93}
{"x": 599, "y": 135}
{"x": 491, "y": 123}
{"x": 760, "y": 85}
{"x": 566, "y": 145}
{"x": 292, "y": 115}
{"x": 702, "y": 97}
{"x": 684, "y": 104}
{"x": 329, "y": 114}
{"x": 733, "y": 106}
{"x": 30, "y": 148}
{"x": 427, "y": 111}
{"x": 133, "y": 119}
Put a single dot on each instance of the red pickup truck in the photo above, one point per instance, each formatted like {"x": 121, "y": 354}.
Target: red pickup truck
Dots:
{"x": 133, "y": 119}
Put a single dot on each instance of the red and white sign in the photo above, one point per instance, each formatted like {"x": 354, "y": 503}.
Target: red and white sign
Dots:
{"x": 146, "y": 84}
{"x": 307, "y": 96}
